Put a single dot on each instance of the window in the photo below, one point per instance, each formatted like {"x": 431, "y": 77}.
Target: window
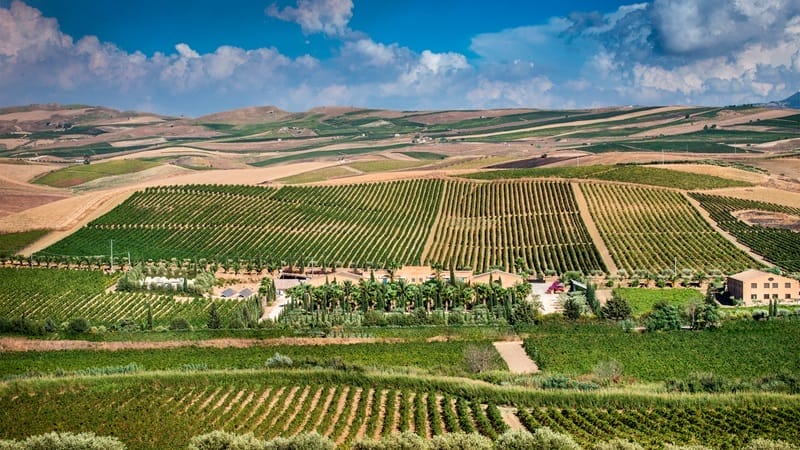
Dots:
{"x": 753, "y": 296}
{"x": 775, "y": 296}
{"x": 766, "y": 285}
{"x": 774, "y": 285}
{"x": 788, "y": 285}
{"x": 766, "y": 296}
{"x": 788, "y": 296}
{"x": 753, "y": 285}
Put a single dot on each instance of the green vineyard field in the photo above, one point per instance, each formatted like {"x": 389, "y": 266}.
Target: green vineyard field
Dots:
{"x": 62, "y": 295}
{"x": 655, "y": 229}
{"x": 779, "y": 246}
{"x": 491, "y": 224}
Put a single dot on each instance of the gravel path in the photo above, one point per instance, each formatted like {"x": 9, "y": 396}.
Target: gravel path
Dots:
{"x": 515, "y": 356}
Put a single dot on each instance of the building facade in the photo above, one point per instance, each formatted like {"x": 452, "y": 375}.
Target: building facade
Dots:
{"x": 755, "y": 287}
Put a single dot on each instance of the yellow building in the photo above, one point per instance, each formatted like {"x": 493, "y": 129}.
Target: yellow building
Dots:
{"x": 755, "y": 287}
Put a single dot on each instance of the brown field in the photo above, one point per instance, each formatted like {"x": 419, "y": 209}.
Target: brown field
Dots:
{"x": 727, "y": 119}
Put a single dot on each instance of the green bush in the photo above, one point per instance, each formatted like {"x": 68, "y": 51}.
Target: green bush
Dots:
{"x": 767, "y": 444}
{"x": 461, "y": 441}
{"x": 546, "y": 439}
{"x": 617, "y": 444}
{"x": 222, "y": 440}
{"x": 78, "y": 325}
{"x": 303, "y": 441}
{"x": 616, "y": 308}
{"x": 403, "y": 441}
{"x": 179, "y": 324}
{"x": 663, "y": 317}
{"x": 515, "y": 440}
{"x": 69, "y": 441}
{"x": 278, "y": 360}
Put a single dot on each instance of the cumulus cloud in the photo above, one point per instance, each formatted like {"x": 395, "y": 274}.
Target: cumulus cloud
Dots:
{"x": 317, "y": 16}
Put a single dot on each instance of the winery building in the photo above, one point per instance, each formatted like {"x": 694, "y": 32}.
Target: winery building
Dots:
{"x": 755, "y": 287}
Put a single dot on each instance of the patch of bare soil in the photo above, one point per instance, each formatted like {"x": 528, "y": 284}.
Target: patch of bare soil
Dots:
{"x": 509, "y": 416}
{"x": 11, "y": 203}
{"x": 591, "y": 227}
{"x": 726, "y": 119}
{"x": 514, "y": 355}
{"x": 762, "y": 194}
{"x": 18, "y": 344}
{"x": 768, "y": 219}
{"x": 436, "y": 118}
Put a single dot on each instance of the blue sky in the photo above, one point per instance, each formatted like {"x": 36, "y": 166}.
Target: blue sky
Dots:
{"x": 197, "y": 57}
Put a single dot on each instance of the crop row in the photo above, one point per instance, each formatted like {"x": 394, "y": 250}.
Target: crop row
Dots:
{"x": 167, "y": 416}
{"x": 655, "y": 229}
{"x": 62, "y": 295}
{"x": 344, "y": 224}
{"x": 489, "y": 225}
{"x": 727, "y": 427}
{"x": 777, "y": 245}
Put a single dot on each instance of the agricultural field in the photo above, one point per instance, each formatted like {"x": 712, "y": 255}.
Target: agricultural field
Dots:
{"x": 79, "y": 174}
{"x": 741, "y": 349}
{"x": 656, "y": 230}
{"x": 645, "y": 175}
{"x": 373, "y": 223}
{"x": 777, "y": 245}
{"x": 11, "y": 243}
{"x": 493, "y": 225}
{"x": 641, "y": 300}
{"x": 62, "y": 295}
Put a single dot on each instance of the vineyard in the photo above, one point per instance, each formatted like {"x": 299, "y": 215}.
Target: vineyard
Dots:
{"x": 486, "y": 225}
{"x": 743, "y": 349}
{"x": 62, "y": 295}
{"x": 654, "y": 230}
{"x": 165, "y": 410}
{"x": 727, "y": 427}
{"x": 355, "y": 224}
{"x": 779, "y": 246}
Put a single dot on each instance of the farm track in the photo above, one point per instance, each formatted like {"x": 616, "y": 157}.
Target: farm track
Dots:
{"x": 591, "y": 228}
{"x": 17, "y": 344}
{"x": 705, "y": 214}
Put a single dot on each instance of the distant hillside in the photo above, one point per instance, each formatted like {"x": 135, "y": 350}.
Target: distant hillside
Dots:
{"x": 791, "y": 102}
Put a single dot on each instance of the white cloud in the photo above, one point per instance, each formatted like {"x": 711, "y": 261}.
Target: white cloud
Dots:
{"x": 371, "y": 53}
{"x": 317, "y": 16}
{"x": 26, "y": 36}
{"x": 185, "y": 51}
{"x": 527, "y": 93}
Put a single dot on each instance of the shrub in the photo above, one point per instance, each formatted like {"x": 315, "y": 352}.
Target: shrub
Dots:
{"x": 78, "y": 325}
{"x": 70, "y": 441}
{"x": 543, "y": 439}
{"x": 278, "y": 360}
{"x": 608, "y": 372}
{"x": 618, "y": 444}
{"x": 179, "y": 323}
{"x": 403, "y": 441}
{"x": 663, "y": 317}
{"x": 616, "y": 308}
{"x": 685, "y": 447}
{"x": 221, "y": 440}
{"x": 479, "y": 359}
{"x": 767, "y": 444}
{"x": 460, "y": 441}
{"x": 303, "y": 441}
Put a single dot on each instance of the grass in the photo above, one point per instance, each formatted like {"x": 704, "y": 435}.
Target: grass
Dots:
{"x": 642, "y": 300}
{"x": 650, "y": 176}
{"x": 79, "y": 174}
{"x": 740, "y": 349}
{"x": 425, "y": 155}
{"x": 324, "y": 154}
{"x": 444, "y": 358}
{"x": 385, "y": 165}
{"x": 11, "y": 243}
{"x": 317, "y": 175}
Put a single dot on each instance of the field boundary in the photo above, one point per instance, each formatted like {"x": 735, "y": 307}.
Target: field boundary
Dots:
{"x": 707, "y": 217}
{"x": 591, "y": 228}
{"x": 426, "y": 249}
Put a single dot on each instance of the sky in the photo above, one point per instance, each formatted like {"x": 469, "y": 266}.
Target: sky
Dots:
{"x": 182, "y": 57}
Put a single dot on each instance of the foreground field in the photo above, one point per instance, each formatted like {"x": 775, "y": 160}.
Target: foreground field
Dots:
{"x": 164, "y": 410}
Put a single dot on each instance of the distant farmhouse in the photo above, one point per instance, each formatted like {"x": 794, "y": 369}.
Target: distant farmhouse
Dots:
{"x": 755, "y": 287}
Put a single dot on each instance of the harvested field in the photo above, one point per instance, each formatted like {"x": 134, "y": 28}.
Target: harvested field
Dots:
{"x": 769, "y": 219}
{"x": 762, "y": 194}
